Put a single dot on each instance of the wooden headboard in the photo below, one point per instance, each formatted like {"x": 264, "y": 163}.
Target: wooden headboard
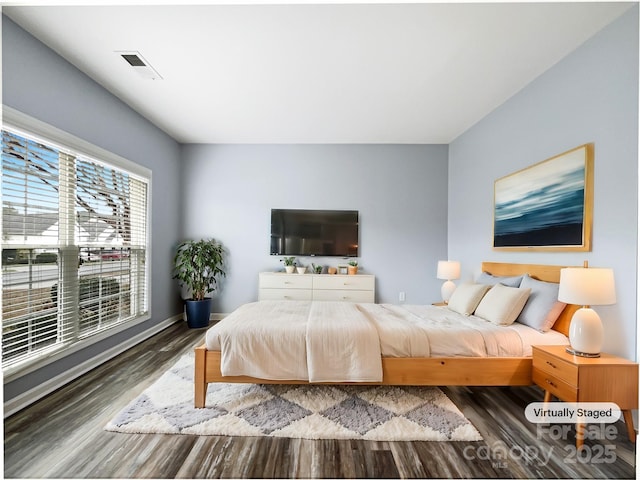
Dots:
{"x": 545, "y": 273}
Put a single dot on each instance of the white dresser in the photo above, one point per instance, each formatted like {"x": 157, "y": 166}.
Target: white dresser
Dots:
{"x": 293, "y": 286}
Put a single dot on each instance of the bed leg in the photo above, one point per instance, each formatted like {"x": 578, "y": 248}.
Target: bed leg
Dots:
{"x": 199, "y": 377}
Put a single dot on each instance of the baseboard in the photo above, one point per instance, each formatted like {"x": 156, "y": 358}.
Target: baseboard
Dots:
{"x": 27, "y": 398}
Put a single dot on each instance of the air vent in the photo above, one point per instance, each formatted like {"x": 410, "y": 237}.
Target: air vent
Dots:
{"x": 140, "y": 65}
{"x": 134, "y": 60}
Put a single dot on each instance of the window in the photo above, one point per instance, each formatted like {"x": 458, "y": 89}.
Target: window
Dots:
{"x": 74, "y": 243}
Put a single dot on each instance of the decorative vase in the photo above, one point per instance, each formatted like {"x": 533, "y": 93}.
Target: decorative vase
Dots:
{"x": 352, "y": 270}
{"x": 289, "y": 268}
{"x": 301, "y": 269}
{"x": 332, "y": 270}
{"x": 198, "y": 312}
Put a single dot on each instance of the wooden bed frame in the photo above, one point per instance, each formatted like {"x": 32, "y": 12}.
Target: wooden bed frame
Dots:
{"x": 471, "y": 371}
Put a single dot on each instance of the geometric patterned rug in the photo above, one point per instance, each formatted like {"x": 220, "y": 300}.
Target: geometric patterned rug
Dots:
{"x": 384, "y": 413}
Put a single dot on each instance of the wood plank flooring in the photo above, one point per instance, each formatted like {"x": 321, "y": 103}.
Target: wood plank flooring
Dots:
{"x": 61, "y": 436}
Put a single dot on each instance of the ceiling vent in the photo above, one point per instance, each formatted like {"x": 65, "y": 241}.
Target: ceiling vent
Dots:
{"x": 140, "y": 65}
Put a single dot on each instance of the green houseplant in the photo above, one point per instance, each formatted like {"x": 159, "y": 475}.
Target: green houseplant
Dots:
{"x": 197, "y": 265}
{"x": 353, "y": 267}
{"x": 289, "y": 264}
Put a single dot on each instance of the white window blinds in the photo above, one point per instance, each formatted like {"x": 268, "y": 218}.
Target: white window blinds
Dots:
{"x": 74, "y": 247}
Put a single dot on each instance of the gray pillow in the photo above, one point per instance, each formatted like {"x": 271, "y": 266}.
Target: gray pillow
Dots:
{"x": 543, "y": 308}
{"x": 488, "y": 279}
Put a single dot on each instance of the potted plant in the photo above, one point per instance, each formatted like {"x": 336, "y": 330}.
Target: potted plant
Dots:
{"x": 289, "y": 264}
{"x": 197, "y": 264}
{"x": 353, "y": 267}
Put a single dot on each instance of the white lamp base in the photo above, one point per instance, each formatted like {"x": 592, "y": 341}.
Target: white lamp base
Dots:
{"x": 447, "y": 290}
{"x": 585, "y": 333}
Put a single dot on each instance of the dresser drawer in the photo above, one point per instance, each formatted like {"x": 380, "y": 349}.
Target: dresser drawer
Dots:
{"x": 344, "y": 282}
{"x": 357, "y": 296}
{"x": 557, "y": 368}
{"x": 284, "y": 294}
{"x": 555, "y": 386}
{"x": 285, "y": 280}
{"x": 337, "y": 288}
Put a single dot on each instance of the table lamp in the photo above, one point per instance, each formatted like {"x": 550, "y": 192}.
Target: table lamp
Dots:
{"x": 586, "y": 286}
{"x": 448, "y": 270}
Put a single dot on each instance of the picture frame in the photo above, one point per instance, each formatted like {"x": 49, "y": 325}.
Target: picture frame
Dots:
{"x": 547, "y": 206}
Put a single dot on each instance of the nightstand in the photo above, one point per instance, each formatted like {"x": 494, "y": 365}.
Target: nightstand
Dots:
{"x": 578, "y": 379}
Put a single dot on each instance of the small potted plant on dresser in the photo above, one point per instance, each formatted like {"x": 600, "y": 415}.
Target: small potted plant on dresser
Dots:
{"x": 289, "y": 264}
{"x": 197, "y": 266}
{"x": 352, "y": 269}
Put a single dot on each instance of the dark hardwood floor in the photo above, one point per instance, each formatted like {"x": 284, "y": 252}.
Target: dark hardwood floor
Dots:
{"x": 62, "y": 436}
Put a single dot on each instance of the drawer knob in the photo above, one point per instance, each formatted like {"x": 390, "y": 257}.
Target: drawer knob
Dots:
{"x": 551, "y": 364}
{"x": 551, "y": 383}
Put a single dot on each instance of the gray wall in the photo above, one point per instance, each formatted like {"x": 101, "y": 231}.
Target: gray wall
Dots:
{"x": 38, "y": 82}
{"x": 399, "y": 190}
{"x": 590, "y": 96}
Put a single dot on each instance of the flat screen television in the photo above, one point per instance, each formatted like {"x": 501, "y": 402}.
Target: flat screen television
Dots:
{"x": 330, "y": 233}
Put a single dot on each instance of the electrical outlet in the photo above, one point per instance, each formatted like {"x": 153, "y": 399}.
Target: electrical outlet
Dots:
{"x": 402, "y": 297}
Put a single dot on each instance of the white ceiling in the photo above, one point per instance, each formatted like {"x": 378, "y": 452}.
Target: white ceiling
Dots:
{"x": 317, "y": 73}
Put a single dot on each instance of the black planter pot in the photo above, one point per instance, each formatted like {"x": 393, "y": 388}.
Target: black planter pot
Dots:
{"x": 198, "y": 312}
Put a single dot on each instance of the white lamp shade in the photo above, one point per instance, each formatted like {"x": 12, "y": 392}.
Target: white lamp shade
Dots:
{"x": 587, "y": 286}
{"x": 448, "y": 270}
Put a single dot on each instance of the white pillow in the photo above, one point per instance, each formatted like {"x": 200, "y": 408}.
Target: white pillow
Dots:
{"x": 542, "y": 308}
{"x": 502, "y": 305}
{"x": 466, "y": 297}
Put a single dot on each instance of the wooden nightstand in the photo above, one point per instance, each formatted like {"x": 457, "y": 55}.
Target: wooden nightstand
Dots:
{"x": 578, "y": 379}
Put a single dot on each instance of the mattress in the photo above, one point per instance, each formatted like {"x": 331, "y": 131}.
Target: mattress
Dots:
{"x": 344, "y": 342}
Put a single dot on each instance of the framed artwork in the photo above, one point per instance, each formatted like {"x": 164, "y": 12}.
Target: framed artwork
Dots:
{"x": 547, "y": 206}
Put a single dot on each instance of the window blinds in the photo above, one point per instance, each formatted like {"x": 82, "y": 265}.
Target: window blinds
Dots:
{"x": 74, "y": 247}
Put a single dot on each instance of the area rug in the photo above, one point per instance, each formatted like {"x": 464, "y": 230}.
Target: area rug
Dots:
{"x": 381, "y": 413}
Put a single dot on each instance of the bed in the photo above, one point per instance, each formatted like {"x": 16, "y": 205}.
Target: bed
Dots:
{"x": 413, "y": 370}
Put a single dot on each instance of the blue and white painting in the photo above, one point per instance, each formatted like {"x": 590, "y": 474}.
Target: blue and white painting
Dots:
{"x": 543, "y": 205}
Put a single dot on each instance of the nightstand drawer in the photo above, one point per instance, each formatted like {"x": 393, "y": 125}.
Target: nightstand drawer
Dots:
{"x": 555, "y": 367}
{"x": 555, "y": 386}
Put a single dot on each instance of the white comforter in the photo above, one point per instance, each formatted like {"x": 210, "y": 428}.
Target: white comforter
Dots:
{"x": 429, "y": 331}
{"x": 293, "y": 340}
{"x": 344, "y": 342}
